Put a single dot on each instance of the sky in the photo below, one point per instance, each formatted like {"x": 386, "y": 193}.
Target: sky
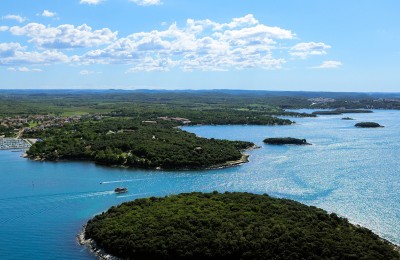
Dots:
{"x": 309, "y": 45}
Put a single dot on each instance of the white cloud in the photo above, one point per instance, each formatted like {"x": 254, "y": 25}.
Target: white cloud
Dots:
{"x": 47, "y": 13}
{"x": 305, "y": 49}
{"x": 17, "y": 18}
{"x": 329, "y": 64}
{"x": 151, "y": 64}
{"x": 23, "y": 69}
{"x": 15, "y": 54}
{"x": 199, "y": 45}
{"x": 146, "y": 2}
{"x": 3, "y": 28}
{"x": 206, "y": 45}
{"x": 10, "y": 49}
{"x": 64, "y": 36}
{"x": 91, "y": 2}
{"x": 88, "y": 72}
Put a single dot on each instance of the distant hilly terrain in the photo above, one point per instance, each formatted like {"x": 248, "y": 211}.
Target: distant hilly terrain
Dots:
{"x": 233, "y": 92}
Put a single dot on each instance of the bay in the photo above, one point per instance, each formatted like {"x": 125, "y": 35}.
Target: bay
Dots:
{"x": 351, "y": 171}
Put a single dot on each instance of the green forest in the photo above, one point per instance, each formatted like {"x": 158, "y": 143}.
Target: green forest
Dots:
{"x": 70, "y": 102}
{"x": 139, "y": 129}
{"x": 231, "y": 226}
{"x": 285, "y": 140}
{"x": 130, "y": 142}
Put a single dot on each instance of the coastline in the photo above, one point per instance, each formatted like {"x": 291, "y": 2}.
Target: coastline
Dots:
{"x": 396, "y": 247}
{"x": 243, "y": 159}
{"x": 102, "y": 255}
{"x": 92, "y": 246}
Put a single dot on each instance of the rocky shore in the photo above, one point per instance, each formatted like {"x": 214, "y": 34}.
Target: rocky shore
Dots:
{"x": 92, "y": 246}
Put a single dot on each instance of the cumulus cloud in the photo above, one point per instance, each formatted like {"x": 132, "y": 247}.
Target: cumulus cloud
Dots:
{"x": 151, "y": 64}
{"x": 64, "y": 36}
{"x": 3, "y": 28}
{"x": 146, "y": 2}
{"x": 88, "y": 72}
{"x": 47, "y": 13}
{"x": 17, "y": 18}
{"x": 305, "y": 49}
{"x": 329, "y": 64}
{"x": 15, "y": 54}
{"x": 91, "y": 2}
{"x": 206, "y": 45}
{"x": 199, "y": 45}
{"x": 10, "y": 49}
{"x": 24, "y": 69}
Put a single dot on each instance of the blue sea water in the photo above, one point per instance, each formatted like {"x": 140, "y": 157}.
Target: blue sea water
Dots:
{"x": 353, "y": 172}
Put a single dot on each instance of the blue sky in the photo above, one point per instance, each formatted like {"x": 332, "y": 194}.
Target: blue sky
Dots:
{"x": 169, "y": 44}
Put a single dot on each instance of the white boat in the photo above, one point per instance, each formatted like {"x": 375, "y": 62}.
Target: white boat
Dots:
{"x": 121, "y": 190}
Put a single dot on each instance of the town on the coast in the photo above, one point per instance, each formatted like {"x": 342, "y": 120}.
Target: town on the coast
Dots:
{"x": 13, "y": 128}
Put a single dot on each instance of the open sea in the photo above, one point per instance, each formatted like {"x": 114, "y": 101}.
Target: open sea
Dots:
{"x": 353, "y": 172}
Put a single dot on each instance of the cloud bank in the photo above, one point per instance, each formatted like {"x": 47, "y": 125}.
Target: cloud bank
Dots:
{"x": 205, "y": 45}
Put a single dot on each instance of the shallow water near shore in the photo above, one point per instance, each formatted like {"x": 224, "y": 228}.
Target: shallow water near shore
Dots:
{"x": 351, "y": 171}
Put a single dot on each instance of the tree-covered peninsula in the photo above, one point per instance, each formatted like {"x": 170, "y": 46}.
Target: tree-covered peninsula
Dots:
{"x": 135, "y": 143}
{"x": 230, "y": 226}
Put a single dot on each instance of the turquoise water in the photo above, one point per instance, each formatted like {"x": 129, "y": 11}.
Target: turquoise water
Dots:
{"x": 354, "y": 172}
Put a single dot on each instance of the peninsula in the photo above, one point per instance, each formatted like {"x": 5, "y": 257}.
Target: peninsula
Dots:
{"x": 120, "y": 141}
{"x": 138, "y": 129}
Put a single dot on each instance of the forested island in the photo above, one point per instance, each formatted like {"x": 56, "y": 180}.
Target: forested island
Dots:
{"x": 286, "y": 140}
{"x": 368, "y": 125}
{"x": 229, "y": 226}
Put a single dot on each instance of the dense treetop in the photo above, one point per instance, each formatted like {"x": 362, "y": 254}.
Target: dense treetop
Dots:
{"x": 285, "y": 140}
{"x": 231, "y": 226}
{"x": 67, "y": 102}
{"x": 368, "y": 125}
{"x": 342, "y": 111}
{"x": 130, "y": 142}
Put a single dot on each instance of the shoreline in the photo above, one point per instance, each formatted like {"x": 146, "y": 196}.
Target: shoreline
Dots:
{"x": 242, "y": 160}
{"x": 102, "y": 255}
{"x": 396, "y": 247}
{"x": 92, "y": 246}
{"x": 228, "y": 164}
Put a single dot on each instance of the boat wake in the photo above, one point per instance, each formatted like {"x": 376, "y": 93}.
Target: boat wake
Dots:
{"x": 33, "y": 205}
{"x": 120, "y": 181}
{"x": 133, "y": 195}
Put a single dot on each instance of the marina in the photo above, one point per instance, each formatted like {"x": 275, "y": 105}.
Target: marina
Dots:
{"x": 13, "y": 144}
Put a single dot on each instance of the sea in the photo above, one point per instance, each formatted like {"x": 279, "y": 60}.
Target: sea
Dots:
{"x": 354, "y": 172}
